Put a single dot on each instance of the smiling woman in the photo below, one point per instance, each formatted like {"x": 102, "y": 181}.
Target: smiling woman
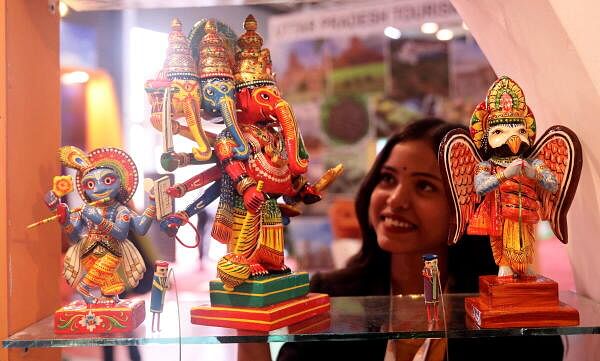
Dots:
{"x": 403, "y": 213}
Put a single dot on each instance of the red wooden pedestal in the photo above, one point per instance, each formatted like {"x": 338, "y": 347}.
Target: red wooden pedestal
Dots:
{"x": 80, "y": 318}
{"x": 519, "y": 302}
{"x": 262, "y": 318}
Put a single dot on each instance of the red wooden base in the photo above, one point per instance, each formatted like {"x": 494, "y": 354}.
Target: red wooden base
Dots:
{"x": 80, "y": 318}
{"x": 519, "y": 302}
{"x": 262, "y": 318}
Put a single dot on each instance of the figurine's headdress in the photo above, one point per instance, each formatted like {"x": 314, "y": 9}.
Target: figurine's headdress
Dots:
{"x": 161, "y": 263}
{"x": 112, "y": 158}
{"x": 214, "y": 56}
{"x": 253, "y": 64}
{"x": 429, "y": 257}
{"x": 504, "y": 104}
{"x": 179, "y": 63}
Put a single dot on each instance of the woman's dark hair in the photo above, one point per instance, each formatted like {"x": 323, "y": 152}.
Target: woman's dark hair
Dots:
{"x": 372, "y": 260}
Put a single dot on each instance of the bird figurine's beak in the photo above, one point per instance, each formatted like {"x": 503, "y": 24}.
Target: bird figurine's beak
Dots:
{"x": 514, "y": 143}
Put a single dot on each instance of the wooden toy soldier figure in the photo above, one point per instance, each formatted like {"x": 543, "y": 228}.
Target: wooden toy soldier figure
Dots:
{"x": 431, "y": 286}
{"x": 160, "y": 285}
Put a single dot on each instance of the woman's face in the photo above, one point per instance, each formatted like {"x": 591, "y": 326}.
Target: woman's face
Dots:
{"x": 408, "y": 208}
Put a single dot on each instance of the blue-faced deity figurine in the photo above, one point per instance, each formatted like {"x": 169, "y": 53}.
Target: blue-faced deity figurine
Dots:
{"x": 106, "y": 179}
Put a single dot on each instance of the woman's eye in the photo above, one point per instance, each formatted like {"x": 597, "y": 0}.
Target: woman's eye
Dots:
{"x": 497, "y": 131}
{"x": 425, "y": 186}
{"x": 522, "y": 131}
{"x": 387, "y": 178}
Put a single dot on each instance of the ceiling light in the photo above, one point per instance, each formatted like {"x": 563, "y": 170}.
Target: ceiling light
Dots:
{"x": 444, "y": 34}
{"x": 392, "y": 32}
{"x": 429, "y": 28}
{"x": 63, "y": 9}
{"x": 75, "y": 77}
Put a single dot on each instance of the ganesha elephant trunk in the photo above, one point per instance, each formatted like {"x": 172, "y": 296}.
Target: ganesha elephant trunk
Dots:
{"x": 192, "y": 117}
{"x": 294, "y": 145}
{"x": 227, "y": 109}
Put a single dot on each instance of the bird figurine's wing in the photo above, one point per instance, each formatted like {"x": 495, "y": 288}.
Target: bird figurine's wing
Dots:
{"x": 458, "y": 160}
{"x": 560, "y": 151}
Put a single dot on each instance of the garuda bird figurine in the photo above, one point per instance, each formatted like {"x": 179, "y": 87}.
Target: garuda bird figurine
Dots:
{"x": 500, "y": 183}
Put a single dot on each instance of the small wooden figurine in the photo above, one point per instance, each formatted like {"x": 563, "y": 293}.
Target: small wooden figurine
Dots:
{"x": 160, "y": 285}
{"x": 102, "y": 262}
{"x": 500, "y": 184}
{"x": 431, "y": 286}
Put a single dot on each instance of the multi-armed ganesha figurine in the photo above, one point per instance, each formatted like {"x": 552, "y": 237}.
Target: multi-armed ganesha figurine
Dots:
{"x": 102, "y": 262}
{"x": 260, "y": 158}
{"x": 501, "y": 184}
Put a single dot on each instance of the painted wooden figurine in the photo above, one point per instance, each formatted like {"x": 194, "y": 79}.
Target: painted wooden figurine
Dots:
{"x": 501, "y": 184}
{"x": 259, "y": 160}
{"x": 160, "y": 285}
{"x": 102, "y": 262}
{"x": 431, "y": 286}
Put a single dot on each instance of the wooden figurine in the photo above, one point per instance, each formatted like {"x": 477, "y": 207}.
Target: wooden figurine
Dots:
{"x": 102, "y": 262}
{"x": 431, "y": 286}
{"x": 501, "y": 184}
{"x": 175, "y": 94}
{"x": 260, "y": 158}
{"x": 160, "y": 285}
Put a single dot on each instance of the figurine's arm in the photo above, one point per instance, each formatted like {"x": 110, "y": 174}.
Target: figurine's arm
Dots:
{"x": 545, "y": 176}
{"x": 70, "y": 222}
{"x": 141, "y": 224}
{"x": 236, "y": 170}
{"x": 485, "y": 181}
{"x": 118, "y": 229}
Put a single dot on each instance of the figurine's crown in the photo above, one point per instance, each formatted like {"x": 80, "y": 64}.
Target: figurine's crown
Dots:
{"x": 253, "y": 64}
{"x": 179, "y": 63}
{"x": 214, "y": 57}
{"x": 504, "y": 104}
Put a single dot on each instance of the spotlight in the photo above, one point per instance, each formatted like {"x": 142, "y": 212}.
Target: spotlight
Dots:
{"x": 429, "y": 28}
{"x": 444, "y": 34}
{"x": 392, "y": 32}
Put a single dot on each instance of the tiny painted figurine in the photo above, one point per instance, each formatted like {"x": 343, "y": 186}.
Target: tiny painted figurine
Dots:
{"x": 160, "y": 284}
{"x": 431, "y": 286}
{"x": 106, "y": 179}
{"x": 501, "y": 183}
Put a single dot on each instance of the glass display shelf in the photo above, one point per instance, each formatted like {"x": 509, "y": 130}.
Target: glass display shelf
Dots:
{"x": 350, "y": 318}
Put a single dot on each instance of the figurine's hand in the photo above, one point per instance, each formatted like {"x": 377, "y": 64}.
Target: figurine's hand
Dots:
{"x": 170, "y": 225}
{"x": 528, "y": 169}
{"x": 62, "y": 211}
{"x": 309, "y": 194}
{"x": 253, "y": 199}
{"x": 91, "y": 214}
{"x": 513, "y": 168}
{"x": 51, "y": 200}
{"x": 176, "y": 191}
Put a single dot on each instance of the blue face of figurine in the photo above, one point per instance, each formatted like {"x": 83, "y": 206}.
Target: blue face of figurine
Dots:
{"x": 101, "y": 183}
{"x": 213, "y": 91}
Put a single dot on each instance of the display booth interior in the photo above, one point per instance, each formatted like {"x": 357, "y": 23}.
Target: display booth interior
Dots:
{"x": 257, "y": 130}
